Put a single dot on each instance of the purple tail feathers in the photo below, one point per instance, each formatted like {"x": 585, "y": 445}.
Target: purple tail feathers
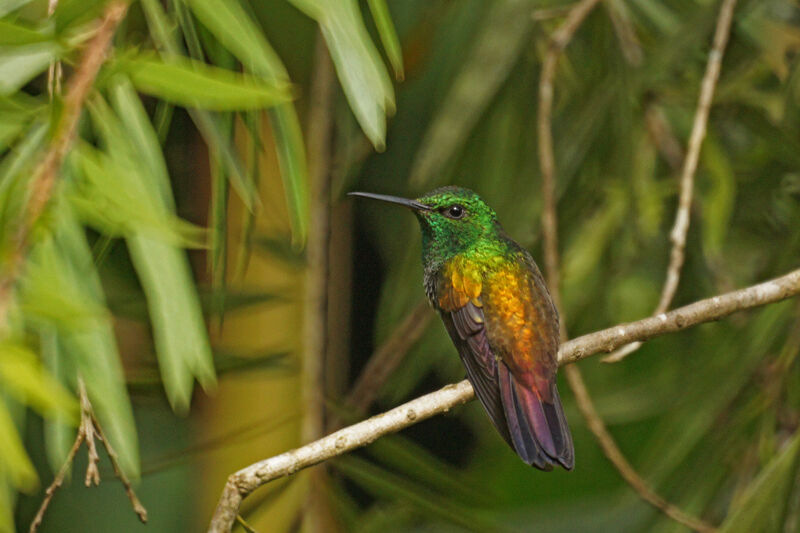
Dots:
{"x": 538, "y": 428}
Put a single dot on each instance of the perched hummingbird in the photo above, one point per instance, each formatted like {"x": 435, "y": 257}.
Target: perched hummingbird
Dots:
{"x": 499, "y": 314}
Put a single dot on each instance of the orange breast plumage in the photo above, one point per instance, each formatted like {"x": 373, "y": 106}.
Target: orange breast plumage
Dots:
{"x": 461, "y": 281}
{"x": 519, "y": 318}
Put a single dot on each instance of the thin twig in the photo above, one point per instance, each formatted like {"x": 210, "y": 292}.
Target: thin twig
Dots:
{"x": 558, "y": 41}
{"x": 320, "y": 142}
{"x": 248, "y": 479}
{"x": 547, "y": 13}
{"x": 626, "y": 34}
{"x": 681, "y": 225}
{"x": 91, "y": 428}
{"x": 54, "y": 73}
{"x": 138, "y": 508}
{"x": 88, "y": 430}
{"x": 247, "y": 527}
{"x": 552, "y": 272}
{"x": 43, "y": 179}
{"x": 662, "y": 135}
{"x": 57, "y": 482}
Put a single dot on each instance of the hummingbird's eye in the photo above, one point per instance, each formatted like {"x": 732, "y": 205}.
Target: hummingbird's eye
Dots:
{"x": 454, "y": 211}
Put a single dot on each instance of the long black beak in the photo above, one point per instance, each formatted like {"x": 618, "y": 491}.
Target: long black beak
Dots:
{"x": 413, "y": 204}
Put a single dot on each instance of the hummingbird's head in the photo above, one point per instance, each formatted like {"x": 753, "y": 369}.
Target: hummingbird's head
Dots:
{"x": 452, "y": 219}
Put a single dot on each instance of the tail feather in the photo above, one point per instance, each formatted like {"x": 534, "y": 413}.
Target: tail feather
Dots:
{"x": 538, "y": 428}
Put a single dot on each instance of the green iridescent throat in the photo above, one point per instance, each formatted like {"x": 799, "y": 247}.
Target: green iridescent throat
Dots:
{"x": 476, "y": 233}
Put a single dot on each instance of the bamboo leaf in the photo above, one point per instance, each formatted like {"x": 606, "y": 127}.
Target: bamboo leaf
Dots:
{"x": 191, "y": 83}
{"x": 496, "y": 49}
{"x": 49, "y": 295}
{"x": 234, "y": 28}
{"x": 294, "y": 171}
{"x": 111, "y": 196}
{"x": 7, "y": 6}
{"x": 237, "y": 32}
{"x": 762, "y": 506}
{"x": 12, "y": 34}
{"x": 22, "y": 155}
{"x": 20, "y": 64}
{"x": 363, "y": 76}
{"x": 388, "y": 35}
{"x": 207, "y": 123}
{"x": 24, "y": 378}
{"x": 383, "y": 483}
{"x": 178, "y": 329}
{"x": 719, "y": 199}
{"x": 58, "y": 433}
{"x": 14, "y": 462}
{"x": 90, "y": 348}
{"x": 71, "y": 13}
{"x": 181, "y": 340}
{"x": 7, "y": 499}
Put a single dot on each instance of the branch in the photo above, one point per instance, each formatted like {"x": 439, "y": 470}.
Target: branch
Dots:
{"x": 552, "y": 269}
{"x": 661, "y": 134}
{"x": 57, "y": 482}
{"x": 245, "y": 481}
{"x": 88, "y": 428}
{"x": 626, "y": 34}
{"x": 43, "y": 179}
{"x": 320, "y": 138}
{"x": 681, "y": 225}
{"x": 558, "y": 41}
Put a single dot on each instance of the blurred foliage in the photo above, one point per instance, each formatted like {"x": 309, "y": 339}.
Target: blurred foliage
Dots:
{"x": 197, "y": 107}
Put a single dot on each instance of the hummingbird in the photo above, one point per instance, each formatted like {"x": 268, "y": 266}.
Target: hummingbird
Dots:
{"x": 499, "y": 314}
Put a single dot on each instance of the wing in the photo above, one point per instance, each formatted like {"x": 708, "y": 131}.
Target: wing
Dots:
{"x": 466, "y": 328}
{"x": 517, "y": 412}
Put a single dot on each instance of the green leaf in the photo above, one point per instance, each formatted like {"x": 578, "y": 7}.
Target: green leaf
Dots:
{"x": 11, "y": 125}
{"x": 14, "y": 462}
{"x": 24, "y": 378}
{"x": 70, "y": 13}
{"x": 294, "y": 171}
{"x": 7, "y": 500}
{"x": 93, "y": 350}
{"x": 207, "y": 123}
{"x": 237, "y": 32}
{"x": 22, "y": 155}
{"x": 361, "y": 72}
{"x": 763, "y": 504}
{"x": 388, "y": 35}
{"x": 381, "y": 482}
{"x": 111, "y": 196}
{"x": 500, "y": 42}
{"x": 192, "y": 83}
{"x": 50, "y": 295}
{"x": 218, "y": 218}
{"x": 16, "y": 34}
{"x": 178, "y": 328}
{"x": 58, "y": 433}
{"x": 718, "y": 199}
{"x": 7, "y": 6}
{"x": 586, "y": 250}
{"x": 181, "y": 340}
{"x": 20, "y": 64}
